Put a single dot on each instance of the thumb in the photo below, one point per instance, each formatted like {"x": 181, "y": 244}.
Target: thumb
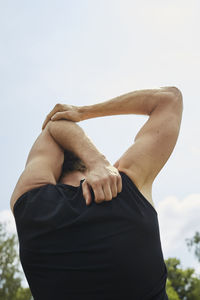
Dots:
{"x": 58, "y": 116}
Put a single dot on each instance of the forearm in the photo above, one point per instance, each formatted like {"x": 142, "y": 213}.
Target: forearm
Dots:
{"x": 137, "y": 102}
{"x": 70, "y": 136}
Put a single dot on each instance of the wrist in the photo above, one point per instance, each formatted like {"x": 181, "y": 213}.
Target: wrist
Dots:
{"x": 84, "y": 112}
{"x": 97, "y": 159}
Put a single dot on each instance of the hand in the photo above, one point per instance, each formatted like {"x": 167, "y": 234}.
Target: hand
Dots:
{"x": 63, "y": 111}
{"x": 105, "y": 181}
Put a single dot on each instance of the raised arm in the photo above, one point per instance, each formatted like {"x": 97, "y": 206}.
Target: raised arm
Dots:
{"x": 139, "y": 102}
{"x": 155, "y": 141}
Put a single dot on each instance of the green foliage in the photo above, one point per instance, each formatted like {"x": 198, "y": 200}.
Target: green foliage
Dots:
{"x": 195, "y": 242}
{"x": 172, "y": 294}
{"x": 184, "y": 282}
{"x": 10, "y": 276}
{"x": 23, "y": 294}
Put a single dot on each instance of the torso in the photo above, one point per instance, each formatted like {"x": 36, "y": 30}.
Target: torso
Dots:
{"x": 122, "y": 246}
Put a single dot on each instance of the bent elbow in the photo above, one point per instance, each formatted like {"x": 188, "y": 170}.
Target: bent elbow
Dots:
{"x": 172, "y": 94}
{"x": 178, "y": 97}
{"x": 175, "y": 93}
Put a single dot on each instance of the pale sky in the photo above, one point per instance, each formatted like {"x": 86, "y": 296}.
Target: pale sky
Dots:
{"x": 83, "y": 52}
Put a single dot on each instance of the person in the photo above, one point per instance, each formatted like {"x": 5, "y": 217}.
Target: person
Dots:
{"x": 88, "y": 229}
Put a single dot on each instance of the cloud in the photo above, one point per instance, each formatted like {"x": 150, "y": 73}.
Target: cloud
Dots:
{"x": 178, "y": 220}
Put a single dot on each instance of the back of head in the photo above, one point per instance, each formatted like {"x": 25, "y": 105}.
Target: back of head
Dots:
{"x": 71, "y": 163}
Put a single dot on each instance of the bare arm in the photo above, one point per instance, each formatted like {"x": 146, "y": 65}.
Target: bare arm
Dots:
{"x": 141, "y": 102}
{"x": 104, "y": 179}
{"x": 153, "y": 143}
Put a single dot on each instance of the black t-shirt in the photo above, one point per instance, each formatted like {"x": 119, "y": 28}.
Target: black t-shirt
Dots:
{"x": 106, "y": 251}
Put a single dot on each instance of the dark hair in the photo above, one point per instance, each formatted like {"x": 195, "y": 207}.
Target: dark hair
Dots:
{"x": 71, "y": 163}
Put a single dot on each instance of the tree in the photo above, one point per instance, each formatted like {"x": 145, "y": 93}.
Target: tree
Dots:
{"x": 171, "y": 293}
{"x": 23, "y": 294}
{"x": 10, "y": 275}
{"x": 195, "y": 241}
{"x": 184, "y": 282}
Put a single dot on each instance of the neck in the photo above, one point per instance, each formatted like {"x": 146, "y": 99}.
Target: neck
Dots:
{"x": 73, "y": 178}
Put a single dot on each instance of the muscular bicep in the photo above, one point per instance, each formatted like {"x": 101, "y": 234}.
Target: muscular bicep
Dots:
{"x": 43, "y": 165}
{"x": 153, "y": 144}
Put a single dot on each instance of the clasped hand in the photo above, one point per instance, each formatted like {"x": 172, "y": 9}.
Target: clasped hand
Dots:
{"x": 63, "y": 111}
{"x": 103, "y": 178}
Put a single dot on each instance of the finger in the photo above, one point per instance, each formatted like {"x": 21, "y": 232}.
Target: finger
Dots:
{"x": 98, "y": 193}
{"x": 113, "y": 187}
{"x": 58, "y": 116}
{"x": 119, "y": 184}
{"x": 86, "y": 192}
{"x": 45, "y": 123}
{"x": 48, "y": 118}
{"x": 107, "y": 191}
{"x": 56, "y": 108}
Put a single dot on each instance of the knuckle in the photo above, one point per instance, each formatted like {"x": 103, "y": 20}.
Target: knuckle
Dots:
{"x": 112, "y": 177}
{"x": 104, "y": 180}
{"x": 58, "y": 105}
{"x": 95, "y": 183}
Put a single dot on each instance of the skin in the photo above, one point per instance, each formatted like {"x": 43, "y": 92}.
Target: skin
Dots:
{"x": 153, "y": 143}
{"x": 46, "y": 157}
{"x": 101, "y": 176}
{"x": 142, "y": 161}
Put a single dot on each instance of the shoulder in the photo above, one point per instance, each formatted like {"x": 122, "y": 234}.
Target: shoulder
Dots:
{"x": 22, "y": 190}
{"x": 43, "y": 166}
{"x": 145, "y": 190}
